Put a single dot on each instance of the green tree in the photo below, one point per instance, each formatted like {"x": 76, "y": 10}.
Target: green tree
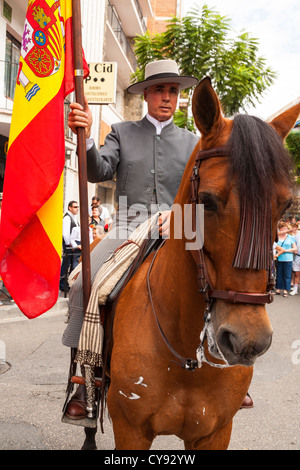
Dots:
{"x": 202, "y": 43}
{"x": 293, "y": 144}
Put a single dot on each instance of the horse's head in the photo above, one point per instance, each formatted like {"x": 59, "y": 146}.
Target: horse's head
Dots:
{"x": 244, "y": 193}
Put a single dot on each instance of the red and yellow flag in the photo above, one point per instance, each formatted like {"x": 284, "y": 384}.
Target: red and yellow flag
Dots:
{"x": 31, "y": 216}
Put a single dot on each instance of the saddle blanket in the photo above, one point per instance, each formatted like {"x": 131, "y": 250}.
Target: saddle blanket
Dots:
{"x": 91, "y": 337}
{"x": 113, "y": 269}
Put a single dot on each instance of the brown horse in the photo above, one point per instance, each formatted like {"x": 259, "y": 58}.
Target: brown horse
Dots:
{"x": 162, "y": 382}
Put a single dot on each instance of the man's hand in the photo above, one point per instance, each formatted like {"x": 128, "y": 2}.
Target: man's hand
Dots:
{"x": 164, "y": 223}
{"x": 80, "y": 117}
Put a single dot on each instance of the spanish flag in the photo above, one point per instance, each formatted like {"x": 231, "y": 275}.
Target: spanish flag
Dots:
{"x": 32, "y": 206}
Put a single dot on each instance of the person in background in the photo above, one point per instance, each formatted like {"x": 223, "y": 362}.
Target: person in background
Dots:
{"x": 296, "y": 264}
{"x": 75, "y": 240}
{"x": 98, "y": 232}
{"x": 285, "y": 248}
{"x": 103, "y": 212}
{"x": 95, "y": 219}
{"x": 69, "y": 222}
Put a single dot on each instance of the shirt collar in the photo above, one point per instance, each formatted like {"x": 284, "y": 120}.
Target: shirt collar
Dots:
{"x": 159, "y": 125}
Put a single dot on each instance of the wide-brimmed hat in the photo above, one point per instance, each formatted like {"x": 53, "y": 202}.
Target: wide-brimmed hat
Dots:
{"x": 162, "y": 71}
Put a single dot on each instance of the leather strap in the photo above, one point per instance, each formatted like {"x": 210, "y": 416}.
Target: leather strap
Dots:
{"x": 241, "y": 297}
{"x": 215, "y": 152}
{"x": 184, "y": 362}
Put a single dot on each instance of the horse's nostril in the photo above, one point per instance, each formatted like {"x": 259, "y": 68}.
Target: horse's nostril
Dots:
{"x": 241, "y": 351}
{"x": 228, "y": 342}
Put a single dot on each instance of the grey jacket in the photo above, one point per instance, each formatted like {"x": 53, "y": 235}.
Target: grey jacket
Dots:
{"x": 142, "y": 161}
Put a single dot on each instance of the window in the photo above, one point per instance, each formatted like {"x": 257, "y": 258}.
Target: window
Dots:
{"x": 12, "y": 58}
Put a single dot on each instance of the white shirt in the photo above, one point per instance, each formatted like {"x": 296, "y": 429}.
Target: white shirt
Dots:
{"x": 159, "y": 125}
{"x": 67, "y": 228}
{"x": 89, "y": 143}
{"x": 76, "y": 236}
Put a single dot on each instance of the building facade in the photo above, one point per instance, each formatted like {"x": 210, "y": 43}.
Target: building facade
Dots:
{"x": 121, "y": 21}
{"x": 12, "y": 15}
{"x": 162, "y": 13}
{"x": 108, "y": 29}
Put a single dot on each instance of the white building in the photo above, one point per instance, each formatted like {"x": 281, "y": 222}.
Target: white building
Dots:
{"x": 12, "y": 16}
{"x": 108, "y": 29}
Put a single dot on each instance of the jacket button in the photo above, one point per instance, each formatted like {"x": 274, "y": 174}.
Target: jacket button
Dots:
{"x": 153, "y": 171}
{"x": 148, "y": 189}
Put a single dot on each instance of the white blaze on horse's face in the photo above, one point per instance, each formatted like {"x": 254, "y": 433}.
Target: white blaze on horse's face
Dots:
{"x": 212, "y": 344}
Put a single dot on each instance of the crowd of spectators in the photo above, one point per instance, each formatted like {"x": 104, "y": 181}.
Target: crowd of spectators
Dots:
{"x": 287, "y": 257}
{"x": 99, "y": 223}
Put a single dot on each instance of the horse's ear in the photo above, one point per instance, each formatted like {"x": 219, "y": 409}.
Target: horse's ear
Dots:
{"x": 206, "y": 106}
{"x": 286, "y": 121}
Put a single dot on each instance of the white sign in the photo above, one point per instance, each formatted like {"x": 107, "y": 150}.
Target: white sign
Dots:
{"x": 100, "y": 86}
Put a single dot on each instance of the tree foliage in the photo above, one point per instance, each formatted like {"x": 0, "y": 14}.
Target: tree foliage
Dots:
{"x": 293, "y": 144}
{"x": 202, "y": 43}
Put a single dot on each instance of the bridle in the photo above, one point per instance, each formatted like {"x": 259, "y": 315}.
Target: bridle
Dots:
{"x": 204, "y": 284}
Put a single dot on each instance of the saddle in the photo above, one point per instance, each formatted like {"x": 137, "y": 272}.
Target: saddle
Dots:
{"x": 107, "y": 311}
{"x": 146, "y": 249}
{"x": 107, "y": 319}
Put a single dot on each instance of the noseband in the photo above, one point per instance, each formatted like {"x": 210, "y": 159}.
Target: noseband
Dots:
{"x": 204, "y": 284}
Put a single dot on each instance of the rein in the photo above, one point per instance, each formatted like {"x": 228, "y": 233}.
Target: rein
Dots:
{"x": 186, "y": 363}
{"x": 204, "y": 284}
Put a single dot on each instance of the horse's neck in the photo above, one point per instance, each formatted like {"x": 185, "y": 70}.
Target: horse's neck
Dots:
{"x": 179, "y": 305}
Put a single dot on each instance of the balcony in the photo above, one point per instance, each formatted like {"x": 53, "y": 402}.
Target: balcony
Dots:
{"x": 125, "y": 20}
{"x": 118, "y": 48}
{"x": 8, "y": 70}
{"x": 132, "y": 14}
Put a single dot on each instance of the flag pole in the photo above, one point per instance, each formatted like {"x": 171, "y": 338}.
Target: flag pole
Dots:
{"x": 81, "y": 152}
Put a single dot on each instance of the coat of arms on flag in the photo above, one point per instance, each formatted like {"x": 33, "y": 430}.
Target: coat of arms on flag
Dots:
{"x": 42, "y": 47}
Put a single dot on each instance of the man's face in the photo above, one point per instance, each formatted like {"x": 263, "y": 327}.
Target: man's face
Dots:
{"x": 74, "y": 208}
{"x": 162, "y": 100}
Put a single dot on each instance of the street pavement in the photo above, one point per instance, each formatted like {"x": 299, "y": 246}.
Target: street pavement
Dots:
{"x": 33, "y": 374}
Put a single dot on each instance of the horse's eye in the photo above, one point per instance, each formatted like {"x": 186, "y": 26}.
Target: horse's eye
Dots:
{"x": 209, "y": 202}
{"x": 287, "y": 206}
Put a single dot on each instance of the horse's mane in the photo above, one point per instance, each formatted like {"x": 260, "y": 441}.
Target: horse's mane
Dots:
{"x": 258, "y": 161}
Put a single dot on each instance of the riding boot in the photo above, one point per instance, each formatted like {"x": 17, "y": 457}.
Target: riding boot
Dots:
{"x": 76, "y": 408}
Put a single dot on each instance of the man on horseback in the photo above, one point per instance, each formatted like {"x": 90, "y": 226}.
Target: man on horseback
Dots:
{"x": 148, "y": 157}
